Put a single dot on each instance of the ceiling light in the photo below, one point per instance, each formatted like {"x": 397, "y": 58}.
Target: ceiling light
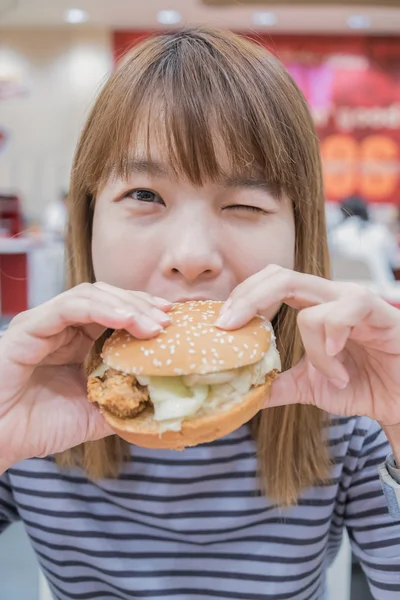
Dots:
{"x": 264, "y": 18}
{"x": 169, "y": 17}
{"x": 75, "y": 15}
{"x": 359, "y": 22}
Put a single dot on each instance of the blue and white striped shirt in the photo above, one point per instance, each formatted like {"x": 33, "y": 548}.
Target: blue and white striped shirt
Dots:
{"x": 193, "y": 524}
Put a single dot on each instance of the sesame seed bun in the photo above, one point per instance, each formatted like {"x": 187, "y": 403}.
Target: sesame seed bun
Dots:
{"x": 191, "y": 344}
{"x": 143, "y": 430}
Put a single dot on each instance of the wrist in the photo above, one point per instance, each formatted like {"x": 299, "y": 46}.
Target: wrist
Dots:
{"x": 392, "y": 433}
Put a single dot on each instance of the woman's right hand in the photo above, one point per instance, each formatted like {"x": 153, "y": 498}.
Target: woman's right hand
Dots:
{"x": 43, "y": 400}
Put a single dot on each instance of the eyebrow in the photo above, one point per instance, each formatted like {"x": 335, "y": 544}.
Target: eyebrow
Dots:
{"x": 255, "y": 183}
{"x": 157, "y": 169}
{"x": 146, "y": 167}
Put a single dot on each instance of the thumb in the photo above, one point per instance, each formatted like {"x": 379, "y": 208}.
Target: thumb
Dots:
{"x": 98, "y": 427}
{"x": 291, "y": 387}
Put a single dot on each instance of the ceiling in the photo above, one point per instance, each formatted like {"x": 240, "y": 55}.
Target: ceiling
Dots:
{"x": 141, "y": 14}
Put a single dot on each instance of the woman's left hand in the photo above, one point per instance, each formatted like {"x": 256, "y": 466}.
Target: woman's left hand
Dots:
{"x": 351, "y": 338}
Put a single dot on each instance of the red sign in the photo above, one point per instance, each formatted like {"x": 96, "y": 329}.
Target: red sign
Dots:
{"x": 352, "y": 85}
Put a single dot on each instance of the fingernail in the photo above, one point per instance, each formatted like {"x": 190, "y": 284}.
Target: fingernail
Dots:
{"x": 225, "y": 320}
{"x": 340, "y": 384}
{"x": 160, "y": 316}
{"x": 124, "y": 312}
{"x": 330, "y": 347}
{"x": 149, "y": 324}
{"x": 225, "y": 306}
{"x": 162, "y": 301}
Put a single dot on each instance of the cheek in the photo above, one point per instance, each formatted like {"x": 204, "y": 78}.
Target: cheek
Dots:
{"x": 272, "y": 244}
{"x": 117, "y": 254}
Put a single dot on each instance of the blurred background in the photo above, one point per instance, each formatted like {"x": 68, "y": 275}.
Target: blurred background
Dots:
{"x": 54, "y": 57}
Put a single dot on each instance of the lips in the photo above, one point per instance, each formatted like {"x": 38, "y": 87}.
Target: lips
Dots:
{"x": 193, "y": 299}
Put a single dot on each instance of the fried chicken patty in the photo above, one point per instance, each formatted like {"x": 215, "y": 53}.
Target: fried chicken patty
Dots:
{"x": 118, "y": 393}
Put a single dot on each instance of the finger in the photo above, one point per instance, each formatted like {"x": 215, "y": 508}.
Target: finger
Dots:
{"x": 140, "y": 302}
{"x": 271, "y": 287}
{"x": 135, "y": 296}
{"x": 98, "y": 428}
{"x": 291, "y": 387}
{"x": 363, "y": 317}
{"x": 48, "y": 330}
{"x": 86, "y": 307}
{"x": 311, "y": 323}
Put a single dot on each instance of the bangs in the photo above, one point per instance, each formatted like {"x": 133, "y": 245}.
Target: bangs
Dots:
{"x": 209, "y": 106}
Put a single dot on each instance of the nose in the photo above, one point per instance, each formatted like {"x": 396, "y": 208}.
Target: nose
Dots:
{"x": 192, "y": 254}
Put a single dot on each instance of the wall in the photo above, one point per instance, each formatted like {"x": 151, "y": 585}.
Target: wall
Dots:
{"x": 48, "y": 80}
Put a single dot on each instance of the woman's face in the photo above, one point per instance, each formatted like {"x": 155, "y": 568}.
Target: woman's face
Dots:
{"x": 164, "y": 236}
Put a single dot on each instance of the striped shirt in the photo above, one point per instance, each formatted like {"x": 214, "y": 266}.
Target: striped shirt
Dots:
{"x": 193, "y": 525}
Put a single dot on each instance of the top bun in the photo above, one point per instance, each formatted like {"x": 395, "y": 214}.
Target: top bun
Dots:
{"x": 191, "y": 344}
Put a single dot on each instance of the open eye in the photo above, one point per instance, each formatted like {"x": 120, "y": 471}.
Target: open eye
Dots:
{"x": 143, "y": 195}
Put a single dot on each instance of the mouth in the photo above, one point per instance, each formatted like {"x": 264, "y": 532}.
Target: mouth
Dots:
{"x": 193, "y": 299}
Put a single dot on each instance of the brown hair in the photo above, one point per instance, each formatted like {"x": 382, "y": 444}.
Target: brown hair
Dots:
{"x": 194, "y": 83}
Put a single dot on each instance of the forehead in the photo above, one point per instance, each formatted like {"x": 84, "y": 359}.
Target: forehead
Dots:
{"x": 152, "y": 152}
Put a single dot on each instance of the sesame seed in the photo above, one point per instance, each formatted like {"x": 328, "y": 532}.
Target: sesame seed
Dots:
{"x": 178, "y": 335}
{"x": 192, "y": 366}
{"x": 117, "y": 354}
{"x": 169, "y": 362}
{"x": 204, "y": 361}
{"x": 241, "y": 354}
{"x": 221, "y": 362}
{"x": 230, "y": 339}
{"x": 236, "y": 349}
{"x": 246, "y": 346}
{"x": 204, "y": 352}
{"x": 124, "y": 345}
{"x": 221, "y": 341}
{"x": 172, "y": 349}
{"x": 178, "y": 371}
{"x": 146, "y": 352}
{"x": 151, "y": 351}
{"x": 214, "y": 362}
{"x": 192, "y": 351}
{"x": 163, "y": 347}
{"x": 196, "y": 334}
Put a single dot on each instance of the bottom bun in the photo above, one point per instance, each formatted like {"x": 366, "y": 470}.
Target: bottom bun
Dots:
{"x": 143, "y": 430}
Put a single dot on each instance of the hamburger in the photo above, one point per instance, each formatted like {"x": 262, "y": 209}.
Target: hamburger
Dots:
{"x": 191, "y": 384}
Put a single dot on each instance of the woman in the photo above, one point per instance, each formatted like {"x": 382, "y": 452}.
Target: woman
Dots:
{"x": 198, "y": 176}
